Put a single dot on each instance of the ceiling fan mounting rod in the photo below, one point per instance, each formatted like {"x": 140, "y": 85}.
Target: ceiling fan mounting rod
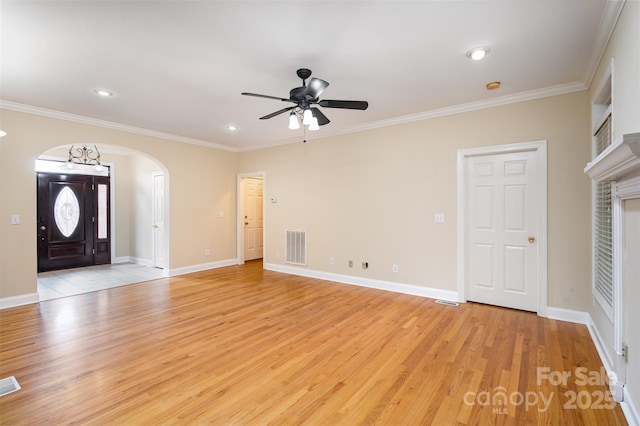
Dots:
{"x": 304, "y": 73}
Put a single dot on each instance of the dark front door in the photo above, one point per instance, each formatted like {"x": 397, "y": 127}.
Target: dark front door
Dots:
{"x": 73, "y": 221}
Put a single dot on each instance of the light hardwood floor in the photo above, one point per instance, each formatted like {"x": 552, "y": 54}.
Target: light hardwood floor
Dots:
{"x": 240, "y": 345}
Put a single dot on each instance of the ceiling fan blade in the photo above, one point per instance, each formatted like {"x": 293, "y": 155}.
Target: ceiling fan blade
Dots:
{"x": 322, "y": 119}
{"x": 273, "y": 114}
{"x": 266, "y": 96}
{"x": 315, "y": 87}
{"x": 362, "y": 105}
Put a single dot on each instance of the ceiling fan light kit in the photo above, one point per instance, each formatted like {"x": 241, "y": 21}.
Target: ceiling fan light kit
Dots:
{"x": 293, "y": 121}
{"x": 303, "y": 98}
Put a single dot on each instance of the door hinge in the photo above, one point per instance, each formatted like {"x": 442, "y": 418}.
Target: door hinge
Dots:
{"x": 93, "y": 251}
{"x": 93, "y": 187}
{"x": 625, "y": 352}
{"x": 93, "y": 219}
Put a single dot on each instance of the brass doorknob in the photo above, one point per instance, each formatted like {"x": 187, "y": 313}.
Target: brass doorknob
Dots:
{"x": 246, "y": 223}
{"x": 531, "y": 239}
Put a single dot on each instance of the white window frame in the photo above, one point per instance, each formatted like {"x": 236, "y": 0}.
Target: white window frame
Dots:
{"x": 601, "y": 109}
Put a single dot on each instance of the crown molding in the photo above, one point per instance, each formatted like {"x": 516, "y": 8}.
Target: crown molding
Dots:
{"x": 620, "y": 160}
{"x": 14, "y": 106}
{"x": 441, "y": 112}
{"x": 608, "y": 21}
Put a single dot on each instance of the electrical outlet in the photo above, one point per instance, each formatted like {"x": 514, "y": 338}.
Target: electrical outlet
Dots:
{"x": 394, "y": 268}
{"x": 331, "y": 260}
{"x": 351, "y": 264}
{"x": 207, "y": 252}
{"x": 365, "y": 265}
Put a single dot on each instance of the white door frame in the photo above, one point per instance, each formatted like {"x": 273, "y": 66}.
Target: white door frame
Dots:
{"x": 620, "y": 192}
{"x": 240, "y": 214}
{"x": 154, "y": 254}
{"x": 540, "y": 148}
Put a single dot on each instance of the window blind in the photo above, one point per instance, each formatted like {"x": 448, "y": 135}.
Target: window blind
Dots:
{"x": 603, "y": 240}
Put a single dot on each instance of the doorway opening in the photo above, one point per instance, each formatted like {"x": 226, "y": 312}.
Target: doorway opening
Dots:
{"x": 134, "y": 205}
{"x": 502, "y": 230}
{"x": 251, "y": 218}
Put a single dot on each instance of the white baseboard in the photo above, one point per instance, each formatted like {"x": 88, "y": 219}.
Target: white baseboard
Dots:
{"x": 140, "y": 261}
{"x": 628, "y": 406}
{"x": 201, "y": 267}
{"x": 132, "y": 259}
{"x": 415, "y": 290}
{"x": 23, "y": 299}
{"x": 630, "y": 409}
{"x": 568, "y": 315}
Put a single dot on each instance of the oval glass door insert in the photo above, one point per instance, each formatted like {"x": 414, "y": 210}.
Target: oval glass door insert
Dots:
{"x": 66, "y": 211}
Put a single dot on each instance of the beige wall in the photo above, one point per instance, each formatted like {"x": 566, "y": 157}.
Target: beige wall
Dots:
{"x": 201, "y": 183}
{"x": 371, "y": 196}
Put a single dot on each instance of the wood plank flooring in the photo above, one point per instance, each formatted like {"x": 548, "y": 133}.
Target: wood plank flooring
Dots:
{"x": 240, "y": 345}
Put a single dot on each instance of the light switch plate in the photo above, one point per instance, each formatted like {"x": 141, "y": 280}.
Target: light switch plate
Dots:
{"x": 439, "y": 217}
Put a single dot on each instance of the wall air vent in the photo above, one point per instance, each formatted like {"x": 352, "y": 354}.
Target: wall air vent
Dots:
{"x": 296, "y": 247}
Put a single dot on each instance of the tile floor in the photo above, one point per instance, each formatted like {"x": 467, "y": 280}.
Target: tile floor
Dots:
{"x": 69, "y": 282}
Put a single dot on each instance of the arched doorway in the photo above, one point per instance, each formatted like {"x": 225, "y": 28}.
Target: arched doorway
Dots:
{"x": 133, "y": 210}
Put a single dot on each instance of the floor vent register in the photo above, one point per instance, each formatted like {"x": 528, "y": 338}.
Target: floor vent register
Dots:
{"x": 8, "y": 385}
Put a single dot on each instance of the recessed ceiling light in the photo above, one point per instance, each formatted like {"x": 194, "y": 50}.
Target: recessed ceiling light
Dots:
{"x": 103, "y": 92}
{"x": 3, "y": 133}
{"x": 493, "y": 85}
{"x": 232, "y": 127}
{"x": 478, "y": 53}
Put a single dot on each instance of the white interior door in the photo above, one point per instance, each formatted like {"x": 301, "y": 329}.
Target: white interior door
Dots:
{"x": 158, "y": 221}
{"x": 501, "y": 230}
{"x": 253, "y": 218}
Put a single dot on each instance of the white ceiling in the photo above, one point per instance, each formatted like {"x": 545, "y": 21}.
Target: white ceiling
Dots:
{"x": 178, "y": 67}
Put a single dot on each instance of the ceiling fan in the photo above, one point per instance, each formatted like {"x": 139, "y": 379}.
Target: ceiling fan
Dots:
{"x": 304, "y": 98}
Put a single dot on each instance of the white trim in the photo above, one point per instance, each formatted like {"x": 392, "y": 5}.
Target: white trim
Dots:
{"x": 545, "y": 92}
{"x": 540, "y": 147}
{"x": 165, "y": 214}
{"x": 608, "y": 21}
{"x": 23, "y": 299}
{"x": 569, "y": 315}
{"x": 630, "y": 409}
{"x": 618, "y": 390}
{"x": 14, "y": 106}
{"x": 621, "y": 160}
{"x": 440, "y": 112}
{"x": 200, "y": 267}
{"x": 415, "y": 290}
{"x": 141, "y": 261}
